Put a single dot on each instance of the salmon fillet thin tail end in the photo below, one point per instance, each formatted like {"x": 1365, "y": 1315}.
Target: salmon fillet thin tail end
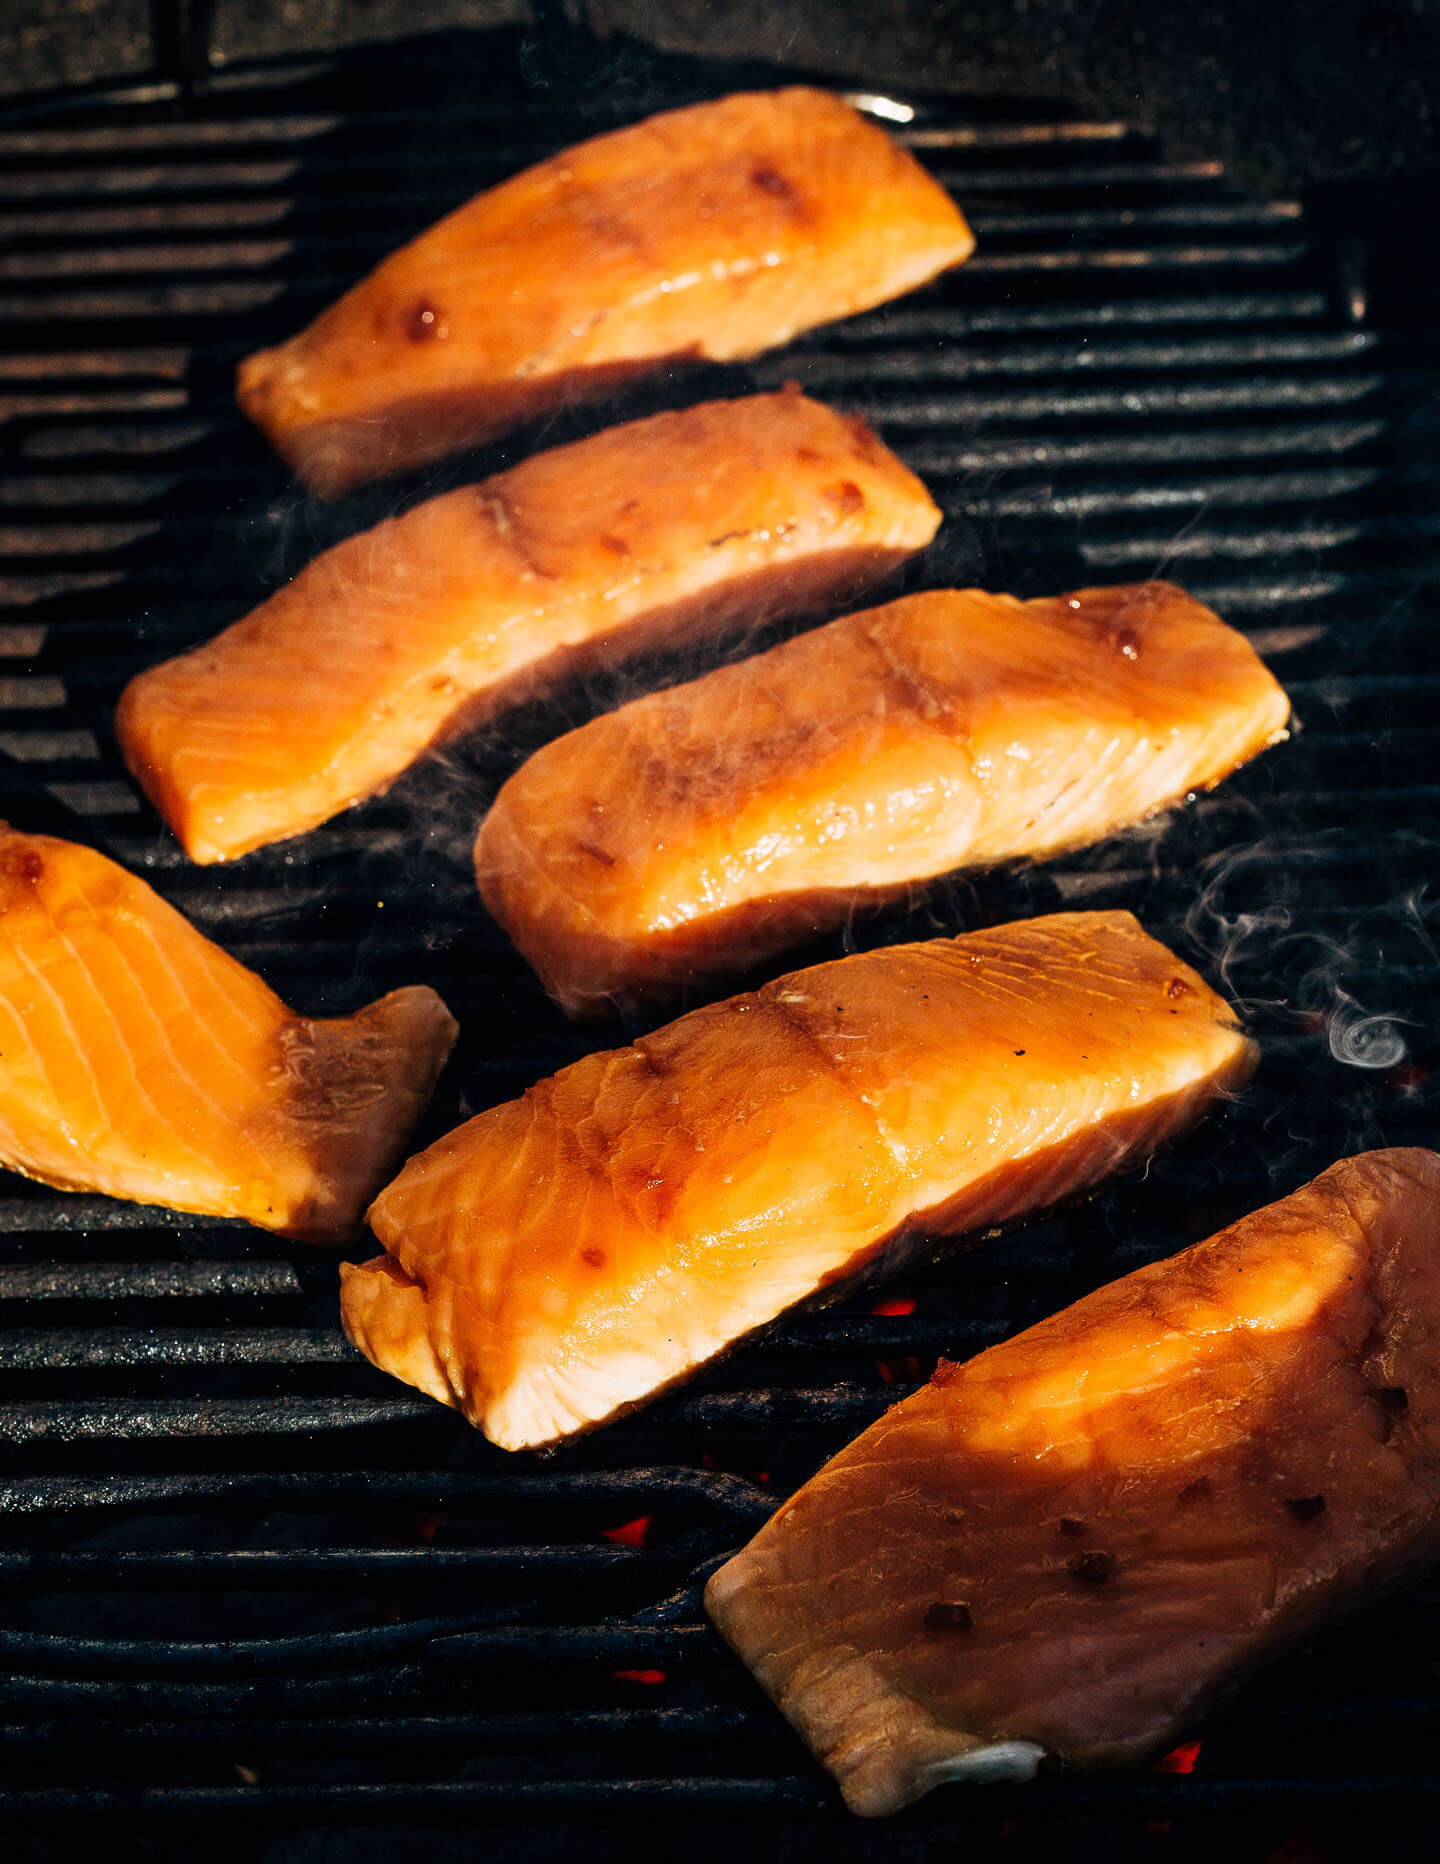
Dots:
{"x": 711, "y": 232}
{"x": 1067, "y": 1547}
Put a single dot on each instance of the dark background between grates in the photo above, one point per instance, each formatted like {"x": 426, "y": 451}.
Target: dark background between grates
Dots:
{"x": 247, "y": 1582}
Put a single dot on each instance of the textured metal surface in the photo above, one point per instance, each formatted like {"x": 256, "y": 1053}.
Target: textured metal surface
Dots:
{"x": 225, "y": 1541}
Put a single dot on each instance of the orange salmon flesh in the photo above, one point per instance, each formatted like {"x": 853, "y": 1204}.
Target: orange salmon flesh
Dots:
{"x": 143, "y": 1062}
{"x": 714, "y": 232}
{"x": 698, "y": 831}
{"x": 569, "y": 1254}
{"x": 1067, "y": 1545}
{"x": 668, "y": 530}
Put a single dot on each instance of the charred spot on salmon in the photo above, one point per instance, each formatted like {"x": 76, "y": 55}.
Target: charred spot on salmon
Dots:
{"x": 1092, "y": 1569}
{"x": 1393, "y": 1397}
{"x": 1177, "y": 987}
{"x": 1195, "y": 1491}
{"x": 616, "y": 546}
{"x": 595, "y": 1257}
{"x": 770, "y": 182}
{"x": 949, "y": 1615}
{"x": 946, "y": 1370}
{"x": 596, "y": 854}
{"x": 1071, "y": 1528}
{"x": 24, "y": 864}
{"x": 846, "y": 497}
{"x": 423, "y": 323}
{"x": 1127, "y": 640}
{"x": 1306, "y": 1507}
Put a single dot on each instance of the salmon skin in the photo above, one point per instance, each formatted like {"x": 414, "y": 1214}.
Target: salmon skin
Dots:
{"x": 1066, "y": 1546}
{"x": 567, "y": 1255}
{"x": 697, "y": 831}
{"x": 663, "y": 531}
{"x": 715, "y": 231}
{"x": 143, "y": 1062}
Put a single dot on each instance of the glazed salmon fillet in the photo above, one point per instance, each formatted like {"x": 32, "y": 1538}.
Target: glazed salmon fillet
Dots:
{"x": 715, "y": 231}
{"x": 697, "y": 831}
{"x": 569, "y": 1254}
{"x": 143, "y": 1062}
{"x": 670, "y": 529}
{"x": 660, "y": 532}
{"x": 1067, "y": 1545}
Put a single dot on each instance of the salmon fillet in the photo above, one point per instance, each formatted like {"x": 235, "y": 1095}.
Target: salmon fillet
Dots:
{"x": 142, "y": 1061}
{"x": 715, "y": 231}
{"x": 699, "y": 830}
{"x": 569, "y": 1254}
{"x": 1067, "y": 1545}
{"x": 666, "y": 530}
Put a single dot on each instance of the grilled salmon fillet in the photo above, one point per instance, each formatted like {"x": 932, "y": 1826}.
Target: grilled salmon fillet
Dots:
{"x": 661, "y": 531}
{"x": 699, "y": 830}
{"x": 1065, "y": 1546}
{"x": 142, "y": 1061}
{"x": 715, "y": 231}
{"x": 568, "y": 1254}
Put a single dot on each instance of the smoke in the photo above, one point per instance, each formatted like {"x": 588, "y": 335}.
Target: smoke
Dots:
{"x": 1365, "y": 1041}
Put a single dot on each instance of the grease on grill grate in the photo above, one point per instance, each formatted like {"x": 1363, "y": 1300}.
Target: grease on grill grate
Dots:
{"x": 245, "y": 1575}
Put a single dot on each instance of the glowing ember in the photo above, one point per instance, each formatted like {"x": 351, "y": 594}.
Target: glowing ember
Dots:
{"x": 894, "y": 1304}
{"x": 1179, "y": 1760}
{"x": 427, "y": 1523}
{"x": 648, "y": 1677}
{"x": 893, "y": 1370}
{"x": 630, "y": 1533}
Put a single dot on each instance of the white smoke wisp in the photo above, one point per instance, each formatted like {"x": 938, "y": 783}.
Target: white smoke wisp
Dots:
{"x": 1234, "y": 939}
{"x": 1365, "y": 1041}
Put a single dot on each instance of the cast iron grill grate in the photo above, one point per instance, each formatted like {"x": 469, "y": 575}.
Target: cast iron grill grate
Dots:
{"x": 245, "y": 1576}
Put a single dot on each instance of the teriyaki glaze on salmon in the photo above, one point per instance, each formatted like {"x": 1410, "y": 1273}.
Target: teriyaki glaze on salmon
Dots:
{"x": 567, "y": 1255}
{"x": 664, "y": 531}
{"x": 715, "y": 231}
{"x": 697, "y": 831}
{"x": 1066, "y": 1546}
{"x": 141, "y": 1061}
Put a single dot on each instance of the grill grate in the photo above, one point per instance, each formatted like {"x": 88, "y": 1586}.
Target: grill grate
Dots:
{"x": 242, "y": 1571}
